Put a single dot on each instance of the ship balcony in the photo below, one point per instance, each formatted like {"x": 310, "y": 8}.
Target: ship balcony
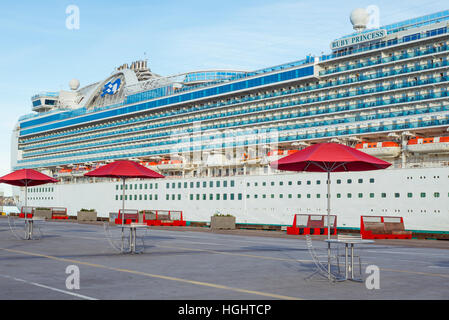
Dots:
{"x": 387, "y": 126}
{"x": 315, "y": 100}
{"x": 327, "y": 122}
{"x": 441, "y": 32}
{"x": 373, "y": 62}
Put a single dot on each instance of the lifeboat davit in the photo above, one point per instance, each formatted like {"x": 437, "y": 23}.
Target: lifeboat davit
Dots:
{"x": 429, "y": 145}
{"x": 248, "y": 160}
{"x": 386, "y": 149}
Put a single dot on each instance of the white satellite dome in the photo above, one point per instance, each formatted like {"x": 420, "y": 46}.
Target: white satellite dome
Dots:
{"x": 74, "y": 84}
{"x": 359, "y": 19}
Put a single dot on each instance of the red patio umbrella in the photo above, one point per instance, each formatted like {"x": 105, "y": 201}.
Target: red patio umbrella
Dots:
{"x": 124, "y": 169}
{"x": 26, "y": 178}
{"x": 329, "y": 157}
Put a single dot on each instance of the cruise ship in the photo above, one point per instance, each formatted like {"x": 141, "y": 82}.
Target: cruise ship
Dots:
{"x": 213, "y": 133}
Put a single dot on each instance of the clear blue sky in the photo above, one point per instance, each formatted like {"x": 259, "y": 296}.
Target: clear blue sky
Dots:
{"x": 38, "y": 53}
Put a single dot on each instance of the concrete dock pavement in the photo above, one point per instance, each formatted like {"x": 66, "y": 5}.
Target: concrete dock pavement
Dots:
{"x": 197, "y": 264}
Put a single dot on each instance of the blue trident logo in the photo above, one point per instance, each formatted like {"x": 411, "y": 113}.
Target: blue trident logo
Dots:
{"x": 111, "y": 87}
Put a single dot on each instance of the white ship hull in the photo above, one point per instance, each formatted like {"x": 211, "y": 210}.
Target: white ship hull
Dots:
{"x": 274, "y": 204}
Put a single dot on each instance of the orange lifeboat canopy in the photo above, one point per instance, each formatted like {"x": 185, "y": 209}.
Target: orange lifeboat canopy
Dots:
{"x": 369, "y": 145}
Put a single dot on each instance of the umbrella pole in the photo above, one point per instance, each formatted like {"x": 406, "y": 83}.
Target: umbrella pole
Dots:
{"x": 26, "y": 193}
{"x": 328, "y": 224}
{"x": 123, "y": 202}
{"x": 328, "y": 204}
{"x": 123, "y": 210}
{"x": 25, "y": 212}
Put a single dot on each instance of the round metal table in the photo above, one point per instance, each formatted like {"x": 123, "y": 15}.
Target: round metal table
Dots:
{"x": 132, "y": 234}
{"x": 29, "y": 226}
{"x": 349, "y": 243}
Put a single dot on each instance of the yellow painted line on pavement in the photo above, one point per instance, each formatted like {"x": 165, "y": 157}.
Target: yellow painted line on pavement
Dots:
{"x": 234, "y": 254}
{"x": 194, "y": 282}
{"x": 297, "y": 260}
{"x": 417, "y": 272}
{"x": 247, "y": 255}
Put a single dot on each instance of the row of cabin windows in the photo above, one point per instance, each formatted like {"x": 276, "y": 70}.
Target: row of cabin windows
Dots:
{"x": 203, "y": 184}
{"x": 173, "y": 185}
{"x": 139, "y": 197}
{"x": 395, "y": 195}
{"x": 46, "y": 189}
{"x": 130, "y": 186}
{"x": 308, "y": 182}
{"x": 231, "y": 196}
{"x": 224, "y": 184}
{"x": 40, "y": 198}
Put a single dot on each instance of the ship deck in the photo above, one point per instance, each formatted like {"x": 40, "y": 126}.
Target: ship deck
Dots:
{"x": 197, "y": 264}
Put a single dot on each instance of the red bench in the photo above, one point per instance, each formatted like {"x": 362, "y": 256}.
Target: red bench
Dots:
{"x": 59, "y": 213}
{"x": 163, "y": 218}
{"x": 378, "y": 227}
{"x": 130, "y": 215}
{"x": 56, "y": 213}
{"x": 312, "y": 224}
{"x": 29, "y": 211}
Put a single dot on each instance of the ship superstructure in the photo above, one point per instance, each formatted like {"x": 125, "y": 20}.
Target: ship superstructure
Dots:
{"x": 213, "y": 133}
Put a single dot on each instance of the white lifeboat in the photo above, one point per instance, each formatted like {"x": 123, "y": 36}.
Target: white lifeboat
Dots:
{"x": 217, "y": 160}
{"x": 429, "y": 145}
{"x": 386, "y": 149}
{"x": 170, "y": 165}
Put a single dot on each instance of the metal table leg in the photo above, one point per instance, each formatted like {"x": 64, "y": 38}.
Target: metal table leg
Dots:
{"x": 352, "y": 261}
{"x": 122, "y": 249}
{"x": 28, "y": 229}
{"x": 31, "y": 228}
{"x": 134, "y": 233}
{"x": 352, "y": 265}
{"x": 25, "y": 226}
{"x": 131, "y": 239}
{"x": 346, "y": 261}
